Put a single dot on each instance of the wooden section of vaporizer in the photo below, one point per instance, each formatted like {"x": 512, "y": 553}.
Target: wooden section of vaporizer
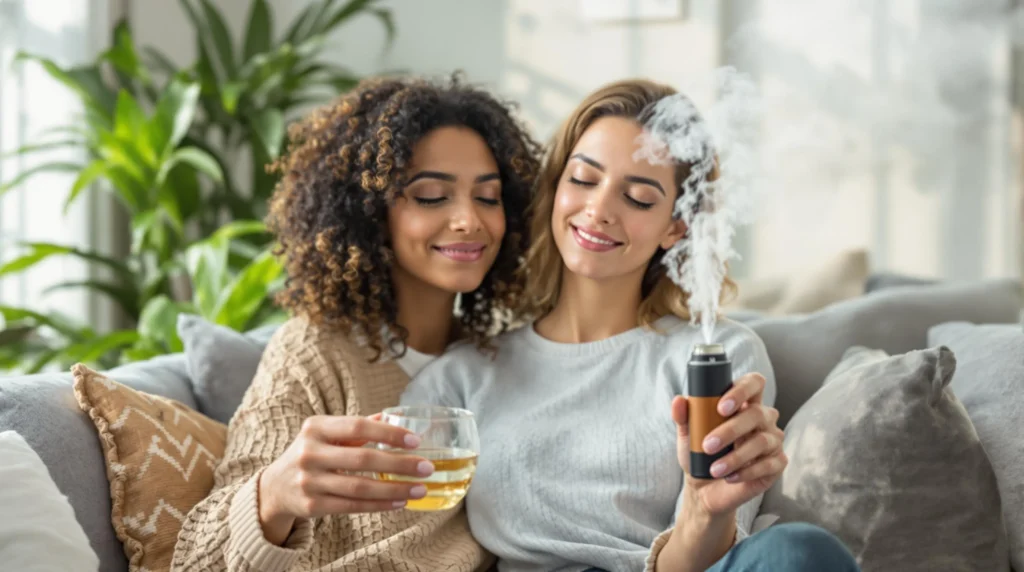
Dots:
{"x": 704, "y": 418}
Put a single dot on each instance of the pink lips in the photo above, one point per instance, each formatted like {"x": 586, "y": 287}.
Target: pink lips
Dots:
{"x": 593, "y": 240}
{"x": 462, "y": 251}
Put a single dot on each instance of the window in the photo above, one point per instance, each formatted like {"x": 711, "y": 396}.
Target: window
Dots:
{"x": 68, "y": 32}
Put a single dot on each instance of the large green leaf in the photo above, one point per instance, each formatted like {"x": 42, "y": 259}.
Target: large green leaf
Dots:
{"x": 244, "y": 296}
{"x": 388, "y": 20}
{"x": 39, "y": 251}
{"x": 129, "y": 118}
{"x": 37, "y": 147}
{"x": 13, "y": 314}
{"x": 17, "y": 334}
{"x": 85, "y": 81}
{"x": 36, "y": 254}
{"x": 132, "y": 193}
{"x": 85, "y": 178}
{"x": 238, "y": 229}
{"x": 183, "y": 185}
{"x": 125, "y": 296}
{"x": 92, "y": 350}
{"x": 207, "y": 263}
{"x": 40, "y": 360}
{"x": 174, "y": 115}
{"x": 259, "y": 33}
{"x": 124, "y": 154}
{"x": 158, "y": 60}
{"x": 303, "y": 23}
{"x": 123, "y": 55}
{"x": 221, "y": 37}
{"x": 131, "y": 125}
{"x": 57, "y": 167}
{"x": 355, "y": 7}
{"x": 268, "y": 125}
{"x": 200, "y": 160}
{"x": 230, "y": 93}
{"x": 158, "y": 321}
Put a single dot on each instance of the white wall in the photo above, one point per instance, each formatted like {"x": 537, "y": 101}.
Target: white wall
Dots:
{"x": 871, "y": 139}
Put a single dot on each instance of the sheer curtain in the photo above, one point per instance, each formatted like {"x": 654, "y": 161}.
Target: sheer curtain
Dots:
{"x": 68, "y": 32}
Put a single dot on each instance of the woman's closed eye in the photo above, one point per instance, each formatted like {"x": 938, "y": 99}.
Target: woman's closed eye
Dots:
{"x": 582, "y": 183}
{"x": 429, "y": 201}
{"x": 638, "y": 204}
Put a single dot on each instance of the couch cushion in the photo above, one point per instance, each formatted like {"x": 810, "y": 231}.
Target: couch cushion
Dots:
{"x": 160, "y": 459}
{"x": 840, "y": 277}
{"x": 38, "y": 530}
{"x": 43, "y": 410}
{"x": 989, "y": 380}
{"x": 885, "y": 457}
{"x": 221, "y": 363}
{"x": 803, "y": 349}
{"x": 883, "y": 280}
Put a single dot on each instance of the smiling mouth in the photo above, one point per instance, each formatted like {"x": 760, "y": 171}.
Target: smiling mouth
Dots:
{"x": 462, "y": 252}
{"x": 592, "y": 242}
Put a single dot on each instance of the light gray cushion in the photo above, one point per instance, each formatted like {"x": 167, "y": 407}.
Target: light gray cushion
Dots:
{"x": 883, "y": 280}
{"x": 221, "y": 362}
{"x": 989, "y": 381}
{"x": 42, "y": 408}
{"x": 803, "y": 349}
{"x": 885, "y": 457}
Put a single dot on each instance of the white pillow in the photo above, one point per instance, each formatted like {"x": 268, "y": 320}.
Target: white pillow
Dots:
{"x": 38, "y": 529}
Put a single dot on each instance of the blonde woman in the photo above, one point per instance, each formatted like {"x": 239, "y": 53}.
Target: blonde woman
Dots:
{"x": 584, "y": 445}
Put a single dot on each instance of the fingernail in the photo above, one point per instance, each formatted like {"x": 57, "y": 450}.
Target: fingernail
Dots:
{"x": 732, "y": 478}
{"x": 718, "y": 469}
{"x": 412, "y": 441}
{"x": 418, "y": 492}
{"x": 727, "y": 406}
{"x": 398, "y": 503}
{"x": 425, "y": 468}
{"x": 711, "y": 444}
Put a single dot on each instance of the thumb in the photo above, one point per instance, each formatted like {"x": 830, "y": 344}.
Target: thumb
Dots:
{"x": 680, "y": 414}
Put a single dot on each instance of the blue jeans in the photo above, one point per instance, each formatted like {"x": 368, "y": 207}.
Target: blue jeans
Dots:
{"x": 793, "y": 547}
{"x": 790, "y": 547}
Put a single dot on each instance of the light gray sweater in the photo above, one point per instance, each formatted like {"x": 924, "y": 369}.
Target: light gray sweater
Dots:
{"x": 578, "y": 448}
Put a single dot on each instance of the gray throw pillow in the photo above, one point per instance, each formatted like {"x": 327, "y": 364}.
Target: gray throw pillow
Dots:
{"x": 885, "y": 457}
{"x": 221, "y": 362}
{"x": 803, "y": 349}
{"x": 42, "y": 408}
{"x": 883, "y": 280}
{"x": 989, "y": 381}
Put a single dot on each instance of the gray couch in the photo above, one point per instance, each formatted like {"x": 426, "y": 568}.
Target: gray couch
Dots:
{"x": 212, "y": 373}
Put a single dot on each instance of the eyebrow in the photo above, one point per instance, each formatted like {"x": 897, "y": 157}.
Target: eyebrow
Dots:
{"x": 630, "y": 178}
{"x": 449, "y": 177}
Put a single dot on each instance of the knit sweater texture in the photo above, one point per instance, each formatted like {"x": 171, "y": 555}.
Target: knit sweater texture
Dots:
{"x": 308, "y": 370}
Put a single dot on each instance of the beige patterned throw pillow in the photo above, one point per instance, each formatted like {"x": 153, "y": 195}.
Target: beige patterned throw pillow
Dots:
{"x": 160, "y": 458}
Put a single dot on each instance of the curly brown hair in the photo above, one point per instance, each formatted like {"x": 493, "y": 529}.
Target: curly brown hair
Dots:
{"x": 345, "y": 163}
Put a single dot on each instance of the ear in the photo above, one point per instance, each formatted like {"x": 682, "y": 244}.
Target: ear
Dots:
{"x": 675, "y": 232}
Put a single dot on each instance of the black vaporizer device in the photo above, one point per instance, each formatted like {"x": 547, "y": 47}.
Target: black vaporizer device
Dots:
{"x": 709, "y": 377}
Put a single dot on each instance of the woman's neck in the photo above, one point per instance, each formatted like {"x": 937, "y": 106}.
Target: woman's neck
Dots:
{"x": 590, "y": 310}
{"x": 425, "y": 312}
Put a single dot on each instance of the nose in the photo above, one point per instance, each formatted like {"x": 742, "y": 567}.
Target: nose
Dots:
{"x": 465, "y": 218}
{"x": 599, "y": 207}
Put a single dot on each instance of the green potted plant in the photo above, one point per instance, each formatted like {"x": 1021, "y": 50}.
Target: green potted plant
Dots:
{"x": 166, "y": 143}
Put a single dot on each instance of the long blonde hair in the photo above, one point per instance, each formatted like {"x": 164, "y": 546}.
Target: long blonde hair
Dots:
{"x": 542, "y": 269}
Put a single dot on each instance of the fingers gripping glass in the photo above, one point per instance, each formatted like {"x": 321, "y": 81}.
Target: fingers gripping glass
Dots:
{"x": 449, "y": 440}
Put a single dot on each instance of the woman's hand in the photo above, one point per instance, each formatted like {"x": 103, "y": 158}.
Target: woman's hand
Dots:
{"x": 310, "y": 478}
{"x": 756, "y": 461}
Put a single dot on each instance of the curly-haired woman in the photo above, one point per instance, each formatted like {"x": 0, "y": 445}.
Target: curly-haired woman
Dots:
{"x": 396, "y": 201}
